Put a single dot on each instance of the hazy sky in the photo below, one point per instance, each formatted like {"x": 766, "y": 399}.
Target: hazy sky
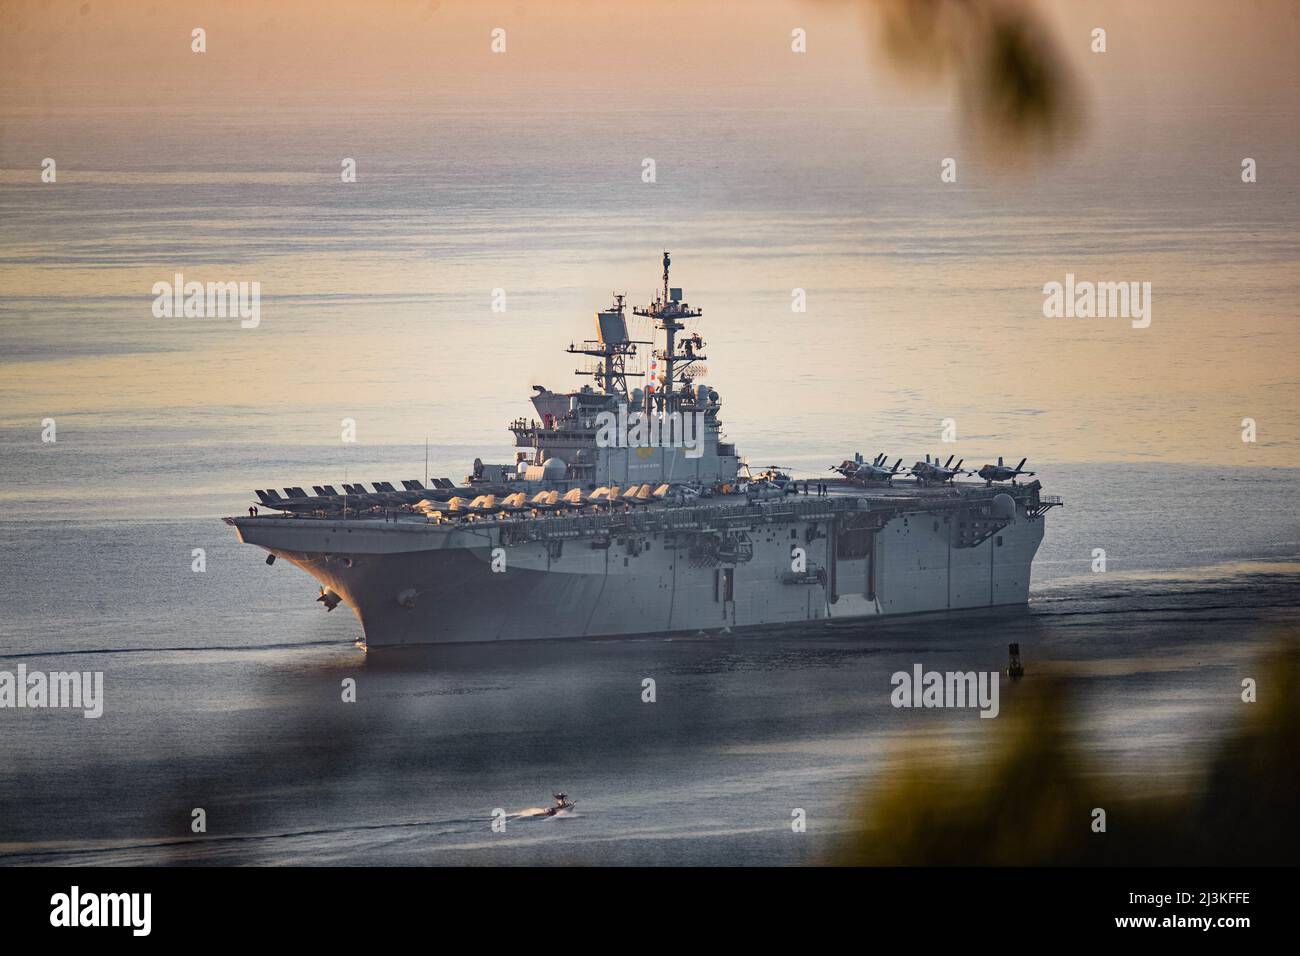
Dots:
{"x": 63, "y": 55}
{"x": 522, "y": 171}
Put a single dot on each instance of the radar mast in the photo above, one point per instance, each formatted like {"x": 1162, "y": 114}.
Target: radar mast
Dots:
{"x": 668, "y": 312}
{"x": 612, "y": 347}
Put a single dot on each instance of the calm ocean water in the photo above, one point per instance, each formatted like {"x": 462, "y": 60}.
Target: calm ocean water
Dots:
{"x": 223, "y": 687}
{"x": 924, "y": 301}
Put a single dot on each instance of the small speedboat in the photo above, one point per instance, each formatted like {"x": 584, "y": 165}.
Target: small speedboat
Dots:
{"x": 562, "y": 802}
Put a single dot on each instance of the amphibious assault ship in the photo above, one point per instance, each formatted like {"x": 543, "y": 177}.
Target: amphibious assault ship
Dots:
{"x": 626, "y": 512}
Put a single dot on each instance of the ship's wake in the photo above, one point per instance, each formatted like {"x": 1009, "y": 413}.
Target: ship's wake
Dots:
{"x": 541, "y": 813}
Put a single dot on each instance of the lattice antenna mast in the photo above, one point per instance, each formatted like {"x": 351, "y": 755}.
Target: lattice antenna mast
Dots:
{"x": 669, "y": 313}
{"x": 612, "y": 347}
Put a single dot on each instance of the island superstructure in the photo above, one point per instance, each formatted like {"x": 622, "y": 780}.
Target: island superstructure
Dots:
{"x": 627, "y": 512}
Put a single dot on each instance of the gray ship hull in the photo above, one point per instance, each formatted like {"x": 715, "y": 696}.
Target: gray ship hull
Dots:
{"x": 776, "y": 563}
{"x": 504, "y": 558}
